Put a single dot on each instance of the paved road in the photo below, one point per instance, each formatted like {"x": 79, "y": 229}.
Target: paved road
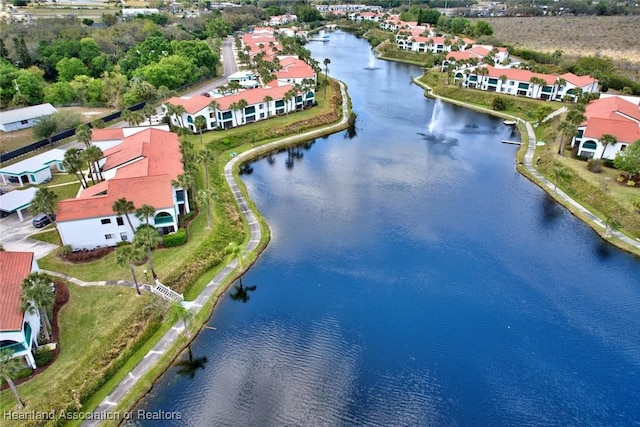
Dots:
{"x": 165, "y": 343}
{"x": 14, "y": 236}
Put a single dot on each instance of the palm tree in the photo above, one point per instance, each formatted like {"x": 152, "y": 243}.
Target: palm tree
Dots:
{"x": 234, "y": 107}
{"x": 44, "y": 202}
{"x": 610, "y": 225}
{"x": 37, "y": 295}
{"x": 83, "y": 134}
{"x": 267, "y": 99}
{"x": 200, "y": 124}
{"x": 205, "y": 197}
{"x": 74, "y": 163}
{"x": 92, "y": 156}
{"x": 129, "y": 255}
{"x": 214, "y": 105}
{"x": 605, "y": 140}
{"x": 124, "y": 207}
{"x": 236, "y": 251}
{"x": 207, "y": 158}
{"x": 144, "y": 212}
{"x": 566, "y": 129}
{"x": 147, "y": 237}
{"x": 575, "y": 117}
{"x": 8, "y": 367}
{"x": 179, "y": 110}
{"x": 148, "y": 111}
{"x": 242, "y": 104}
{"x": 326, "y": 63}
{"x": 560, "y": 175}
{"x": 288, "y": 96}
{"x": 185, "y": 181}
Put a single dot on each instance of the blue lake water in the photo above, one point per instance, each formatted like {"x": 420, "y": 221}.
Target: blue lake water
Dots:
{"x": 415, "y": 278}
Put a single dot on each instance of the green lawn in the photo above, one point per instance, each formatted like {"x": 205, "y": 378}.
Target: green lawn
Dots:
{"x": 92, "y": 325}
{"x": 49, "y": 235}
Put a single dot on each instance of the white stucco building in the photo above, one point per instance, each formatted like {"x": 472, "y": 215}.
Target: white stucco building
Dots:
{"x": 18, "y": 330}
{"x": 22, "y": 118}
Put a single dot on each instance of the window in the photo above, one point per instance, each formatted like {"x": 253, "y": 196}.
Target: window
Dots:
{"x": 24, "y": 122}
{"x": 109, "y": 236}
{"x": 119, "y": 220}
{"x": 105, "y": 221}
{"x": 124, "y": 237}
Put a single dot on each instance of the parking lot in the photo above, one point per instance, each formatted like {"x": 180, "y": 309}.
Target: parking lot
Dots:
{"x": 14, "y": 236}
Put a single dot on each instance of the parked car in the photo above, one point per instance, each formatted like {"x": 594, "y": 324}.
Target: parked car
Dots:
{"x": 42, "y": 220}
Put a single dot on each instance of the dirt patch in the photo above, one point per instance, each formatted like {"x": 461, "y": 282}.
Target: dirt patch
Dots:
{"x": 616, "y": 37}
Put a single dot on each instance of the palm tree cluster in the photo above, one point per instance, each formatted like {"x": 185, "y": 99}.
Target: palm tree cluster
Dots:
{"x": 75, "y": 160}
{"x": 38, "y": 295}
{"x": 145, "y": 238}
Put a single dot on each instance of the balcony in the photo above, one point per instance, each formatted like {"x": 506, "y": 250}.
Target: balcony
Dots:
{"x": 14, "y": 348}
{"x": 163, "y": 220}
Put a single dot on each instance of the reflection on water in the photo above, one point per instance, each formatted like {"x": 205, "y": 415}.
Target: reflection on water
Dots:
{"x": 413, "y": 278}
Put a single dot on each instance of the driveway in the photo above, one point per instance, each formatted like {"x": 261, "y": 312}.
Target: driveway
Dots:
{"x": 14, "y": 236}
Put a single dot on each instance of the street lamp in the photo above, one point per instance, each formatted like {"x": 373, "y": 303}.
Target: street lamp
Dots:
{"x": 146, "y": 276}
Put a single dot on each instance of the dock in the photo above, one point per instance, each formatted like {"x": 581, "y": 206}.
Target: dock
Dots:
{"x": 506, "y": 141}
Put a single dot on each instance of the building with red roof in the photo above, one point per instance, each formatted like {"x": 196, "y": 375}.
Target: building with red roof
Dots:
{"x": 261, "y": 103}
{"x": 142, "y": 169}
{"x": 520, "y": 82}
{"x": 613, "y": 116}
{"x": 18, "y": 330}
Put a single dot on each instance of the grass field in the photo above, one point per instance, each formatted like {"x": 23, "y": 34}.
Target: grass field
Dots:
{"x": 615, "y": 37}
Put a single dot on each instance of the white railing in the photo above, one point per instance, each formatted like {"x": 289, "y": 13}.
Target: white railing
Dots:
{"x": 166, "y": 292}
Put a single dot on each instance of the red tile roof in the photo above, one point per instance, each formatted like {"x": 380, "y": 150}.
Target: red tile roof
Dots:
{"x": 252, "y": 96}
{"x": 193, "y": 104}
{"x": 14, "y": 268}
{"x": 613, "y": 107}
{"x": 155, "y": 191}
{"x": 107, "y": 134}
{"x": 625, "y": 131}
{"x": 294, "y": 68}
{"x": 578, "y": 81}
{"x": 520, "y": 75}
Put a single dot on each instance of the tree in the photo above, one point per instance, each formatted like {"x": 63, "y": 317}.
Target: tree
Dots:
{"x": 83, "y": 134}
{"x": 566, "y": 129}
{"x": 148, "y": 111}
{"x": 236, "y": 252}
{"x": 8, "y": 367}
{"x": 242, "y": 104}
{"x": 610, "y": 224}
{"x": 69, "y": 68}
{"x": 542, "y": 112}
{"x": 288, "y": 96}
{"x": 214, "y": 105}
{"x": 606, "y": 140}
{"x": 234, "y": 107}
{"x": 267, "y": 99}
{"x": 44, "y": 201}
{"x": 129, "y": 255}
{"x": 628, "y": 160}
{"x": 37, "y": 295}
{"x": 74, "y": 163}
{"x": 207, "y": 157}
{"x": 92, "y": 155}
{"x": 575, "y": 117}
{"x": 124, "y": 207}
{"x": 148, "y": 238}
{"x": 560, "y": 175}
{"x": 205, "y": 196}
{"x": 200, "y": 123}
{"x": 326, "y": 63}
{"x": 144, "y": 212}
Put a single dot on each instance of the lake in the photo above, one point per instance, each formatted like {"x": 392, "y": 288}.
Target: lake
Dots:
{"x": 414, "y": 278}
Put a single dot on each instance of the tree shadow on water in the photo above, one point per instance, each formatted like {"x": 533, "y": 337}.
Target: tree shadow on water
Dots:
{"x": 190, "y": 366}
{"x": 550, "y": 211}
{"x": 241, "y": 293}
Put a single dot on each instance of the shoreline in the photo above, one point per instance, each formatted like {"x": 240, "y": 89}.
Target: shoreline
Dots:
{"x": 527, "y": 169}
{"x": 173, "y": 342}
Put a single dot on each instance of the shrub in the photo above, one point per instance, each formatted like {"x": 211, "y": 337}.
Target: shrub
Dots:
{"x": 594, "y": 165}
{"x": 65, "y": 250}
{"x": 43, "y": 357}
{"x": 631, "y": 183}
{"x": 498, "y": 104}
{"x": 86, "y": 255}
{"x": 176, "y": 239}
{"x": 122, "y": 243}
{"x": 22, "y": 373}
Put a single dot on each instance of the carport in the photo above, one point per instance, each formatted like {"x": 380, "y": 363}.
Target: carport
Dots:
{"x": 17, "y": 201}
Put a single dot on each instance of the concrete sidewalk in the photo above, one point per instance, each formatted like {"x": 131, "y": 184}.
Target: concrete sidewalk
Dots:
{"x": 528, "y": 164}
{"x": 165, "y": 343}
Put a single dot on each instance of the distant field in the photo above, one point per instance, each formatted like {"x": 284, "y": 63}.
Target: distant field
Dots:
{"x": 615, "y": 37}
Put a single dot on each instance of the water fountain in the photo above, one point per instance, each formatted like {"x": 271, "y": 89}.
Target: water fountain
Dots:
{"x": 436, "y": 116}
{"x": 372, "y": 61}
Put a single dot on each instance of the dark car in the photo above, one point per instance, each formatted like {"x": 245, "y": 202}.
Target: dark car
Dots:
{"x": 42, "y": 220}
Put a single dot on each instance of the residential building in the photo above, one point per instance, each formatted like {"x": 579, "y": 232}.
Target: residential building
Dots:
{"x": 276, "y": 21}
{"x": 19, "y": 329}
{"x": 228, "y": 113}
{"x": 614, "y": 116}
{"x": 34, "y": 170}
{"x": 514, "y": 81}
{"x": 23, "y": 118}
{"x": 143, "y": 170}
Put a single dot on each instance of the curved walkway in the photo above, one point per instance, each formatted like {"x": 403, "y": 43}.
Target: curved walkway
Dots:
{"x": 528, "y": 164}
{"x": 542, "y": 181}
{"x": 166, "y": 342}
